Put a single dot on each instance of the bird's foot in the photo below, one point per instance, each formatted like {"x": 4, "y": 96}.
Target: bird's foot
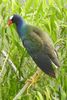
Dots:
{"x": 34, "y": 78}
{"x": 31, "y": 80}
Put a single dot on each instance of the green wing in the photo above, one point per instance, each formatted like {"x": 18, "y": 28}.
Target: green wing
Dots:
{"x": 35, "y": 43}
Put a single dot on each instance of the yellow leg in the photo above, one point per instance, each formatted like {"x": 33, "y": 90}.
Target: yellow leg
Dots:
{"x": 34, "y": 78}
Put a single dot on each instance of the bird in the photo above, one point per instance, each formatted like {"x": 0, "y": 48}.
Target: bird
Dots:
{"x": 37, "y": 43}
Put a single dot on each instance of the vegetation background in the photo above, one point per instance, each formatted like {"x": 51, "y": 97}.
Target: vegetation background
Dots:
{"x": 50, "y": 16}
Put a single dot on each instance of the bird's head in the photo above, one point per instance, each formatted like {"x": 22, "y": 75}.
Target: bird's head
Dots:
{"x": 15, "y": 19}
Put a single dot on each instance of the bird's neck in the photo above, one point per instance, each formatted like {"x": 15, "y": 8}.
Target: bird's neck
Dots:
{"x": 20, "y": 25}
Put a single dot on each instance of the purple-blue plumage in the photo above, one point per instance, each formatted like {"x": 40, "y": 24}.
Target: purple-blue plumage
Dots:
{"x": 38, "y": 45}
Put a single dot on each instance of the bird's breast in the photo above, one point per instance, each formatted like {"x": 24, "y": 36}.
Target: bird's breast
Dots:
{"x": 31, "y": 44}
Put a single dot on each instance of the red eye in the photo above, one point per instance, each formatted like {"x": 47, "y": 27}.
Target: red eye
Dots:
{"x": 9, "y": 22}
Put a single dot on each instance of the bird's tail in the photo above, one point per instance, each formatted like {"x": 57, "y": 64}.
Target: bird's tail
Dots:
{"x": 44, "y": 62}
{"x": 55, "y": 59}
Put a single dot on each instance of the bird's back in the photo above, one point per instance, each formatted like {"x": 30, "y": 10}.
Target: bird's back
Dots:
{"x": 38, "y": 43}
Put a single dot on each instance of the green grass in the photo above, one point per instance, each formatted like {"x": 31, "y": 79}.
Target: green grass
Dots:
{"x": 50, "y": 16}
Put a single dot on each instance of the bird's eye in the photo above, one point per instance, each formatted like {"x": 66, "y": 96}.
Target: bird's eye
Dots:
{"x": 11, "y": 17}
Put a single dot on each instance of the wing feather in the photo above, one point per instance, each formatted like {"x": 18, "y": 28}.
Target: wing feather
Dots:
{"x": 41, "y": 50}
{"x": 44, "y": 62}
